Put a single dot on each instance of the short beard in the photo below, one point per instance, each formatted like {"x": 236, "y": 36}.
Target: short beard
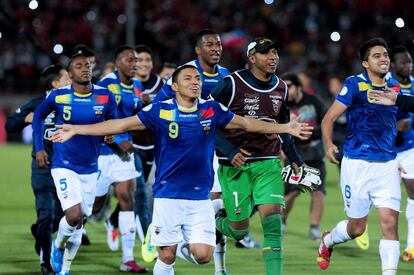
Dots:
{"x": 84, "y": 83}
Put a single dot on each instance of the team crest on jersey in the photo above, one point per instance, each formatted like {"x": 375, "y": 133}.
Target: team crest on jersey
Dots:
{"x": 98, "y": 110}
{"x": 206, "y": 126}
{"x": 276, "y": 102}
{"x": 157, "y": 229}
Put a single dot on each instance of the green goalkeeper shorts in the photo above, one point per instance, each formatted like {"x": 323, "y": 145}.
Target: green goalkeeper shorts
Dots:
{"x": 252, "y": 184}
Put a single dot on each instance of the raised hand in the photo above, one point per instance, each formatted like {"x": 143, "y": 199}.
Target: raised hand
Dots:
{"x": 388, "y": 98}
{"x": 65, "y": 132}
{"x": 300, "y": 130}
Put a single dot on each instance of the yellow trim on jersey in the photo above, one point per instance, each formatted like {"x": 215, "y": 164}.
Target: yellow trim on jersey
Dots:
{"x": 363, "y": 86}
{"x": 82, "y": 95}
{"x": 114, "y": 88}
{"x": 380, "y": 85}
{"x": 166, "y": 114}
{"x": 187, "y": 110}
{"x": 210, "y": 75}
{"x": 127, "y": 86}
{"x": 63, "y": 99}
{"x": 406, "y": 86}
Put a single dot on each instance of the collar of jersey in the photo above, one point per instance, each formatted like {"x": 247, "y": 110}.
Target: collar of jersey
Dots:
{"x": 206, "y": 73}
{"x": 187, "y": 110}
{"x": 365, "y": 74}
{"x": 406, "y": 86}
{"x": 82, "y": 95}
{"x": 130, "y": 86}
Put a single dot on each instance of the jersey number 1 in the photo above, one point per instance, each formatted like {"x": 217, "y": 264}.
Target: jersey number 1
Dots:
{"x": 173, "y": 130}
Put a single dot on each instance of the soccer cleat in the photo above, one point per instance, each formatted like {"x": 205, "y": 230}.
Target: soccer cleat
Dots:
{"x": 408, "y": 255}
{"x": 363, "y": 240}
{"x": 324, "y": 254}
{"x": 112, "y": 235}
{"x": 221, "y": 272}
{"x": 56, "y": 257}
{"x": 63, "y": 273}
{"x": 315, "y": 233}
{"x": 148, "y": 251}
{"x": 248, "y": 242}
{"x": 133, "y": 267}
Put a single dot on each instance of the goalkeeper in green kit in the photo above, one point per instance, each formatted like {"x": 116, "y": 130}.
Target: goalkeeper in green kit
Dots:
{"x": 255, "y": 178}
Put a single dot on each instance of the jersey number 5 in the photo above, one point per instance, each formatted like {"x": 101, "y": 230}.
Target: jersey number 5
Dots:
{"x": 173, "y": 130}
{"x": 67, "y": 112}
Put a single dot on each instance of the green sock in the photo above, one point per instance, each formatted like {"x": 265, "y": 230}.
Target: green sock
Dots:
{"x": 223, "y": 225}
{"x": 272, "y": 244}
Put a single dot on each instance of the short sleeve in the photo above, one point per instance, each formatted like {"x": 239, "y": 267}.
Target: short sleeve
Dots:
{"x": 149, "y": 115}
{"x": 347, "y": 93}
{"x": 223, "y": 115}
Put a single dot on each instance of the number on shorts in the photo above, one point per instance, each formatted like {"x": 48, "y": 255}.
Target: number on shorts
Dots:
{"x": 173, "y": 130}
{"x": 236, "y": 199}
{"x": 63, "y": 184}
{"x": 347, "y": 191}
{"x": 99, "y": 173}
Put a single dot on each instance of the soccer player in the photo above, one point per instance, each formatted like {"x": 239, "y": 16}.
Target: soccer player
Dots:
{"x": 369, "y": 170}
{"x": 256, "y": 93}
{"x": 311, "y": 110}
{"x": 184, "y": 129}
{"x": 74, "y": 164}
{"x": 116, "y": 162}
{"x": 48, "y": 209}
{"x": 208, "y": 49}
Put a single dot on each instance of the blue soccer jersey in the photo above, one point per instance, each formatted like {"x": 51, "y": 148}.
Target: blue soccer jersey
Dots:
{"x": 128, "y": 103}
{"x": 371, "y": 127}
{"x": 406, "y": 139}
{"x": 80, "y": 153}
{"x": 209, "y": 81}
{"x": 184, "y": 146}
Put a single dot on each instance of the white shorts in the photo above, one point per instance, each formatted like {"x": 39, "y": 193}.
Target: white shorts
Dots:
{"x": 365, "y": 183}
{"x": 406, "y": 161}
{"x": 73, "y": 188}
{"x": 112, "y": 169}
{"x": 175, "y": 220}
{"x": 216, "y": 184}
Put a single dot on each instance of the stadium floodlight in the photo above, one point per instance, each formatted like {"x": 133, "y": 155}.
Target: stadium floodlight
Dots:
{"x": 1, "y": 35}
{"x": 121, "y": 19}
{"x": 58, "y": 49}
{"x": 91, "y": 15}
{"x": 268, "y": 2}
{"x": 335, "y": 36}
{"x": 33, "y": 4}
{"x": 399, "y": 22}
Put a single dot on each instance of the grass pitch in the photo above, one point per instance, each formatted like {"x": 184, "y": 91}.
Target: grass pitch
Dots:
{"x": 17, "y": 255}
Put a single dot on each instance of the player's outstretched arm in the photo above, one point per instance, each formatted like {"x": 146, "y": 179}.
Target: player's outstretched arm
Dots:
{"x": 109, "y": 127}
{"x": 294, "y": 127}
{"x": 333, "y": 113}
{"x": 388, "y": 98}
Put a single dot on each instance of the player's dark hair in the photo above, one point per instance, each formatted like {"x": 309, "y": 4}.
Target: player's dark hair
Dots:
{"x": 121, "y": 49}
{"x": 169, "y": 65}
{"x": 368, "y": 45}
{"x": 396, "y": 50}
{"x": 292, "y": 77}
{"x": 84, "y": 50}
{"x": 49, "y": 74}
{"x": 143, "y": 49}
{"x": 199, "y": 36}
{"x": 177, "y": 72}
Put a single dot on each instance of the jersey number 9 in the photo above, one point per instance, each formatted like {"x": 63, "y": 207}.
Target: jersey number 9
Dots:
{"x": 67, "y": 112}
{"x": 173, "y": 130}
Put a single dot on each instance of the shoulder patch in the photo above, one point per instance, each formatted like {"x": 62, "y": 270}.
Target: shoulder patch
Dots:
{"x": 147, "y": 108}
{"x": 343, "y": 91}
